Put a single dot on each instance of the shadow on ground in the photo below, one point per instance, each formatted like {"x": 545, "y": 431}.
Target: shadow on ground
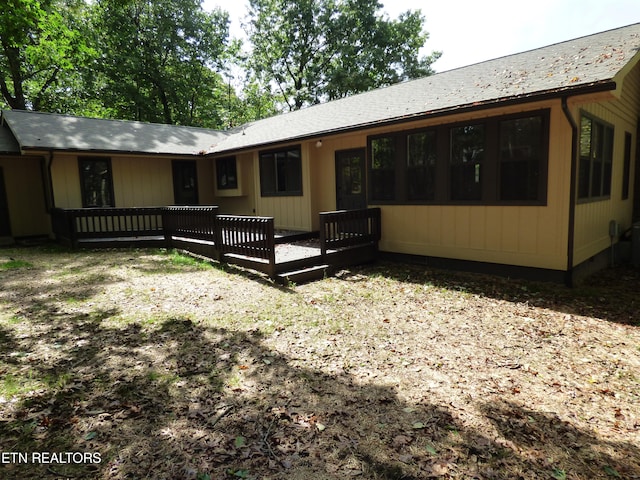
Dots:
{"x": 610, "y": 294}
{"x": 184, "y": 400}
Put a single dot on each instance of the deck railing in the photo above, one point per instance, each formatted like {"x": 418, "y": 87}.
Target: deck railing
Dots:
{"x": 74, "y": 225}
{"x": 198, "y": 229}
{"x": 245, "y": 235}
{"x": 349, "y": 228}
{"x": 195, "y": 222}
{"x": 346, "y": 237}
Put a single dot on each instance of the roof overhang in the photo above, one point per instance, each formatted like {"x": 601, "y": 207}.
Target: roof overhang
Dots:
{"x": 588, "y": 89}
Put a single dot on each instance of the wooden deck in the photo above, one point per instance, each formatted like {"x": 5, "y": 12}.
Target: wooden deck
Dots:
{"x": 345, "y": 238}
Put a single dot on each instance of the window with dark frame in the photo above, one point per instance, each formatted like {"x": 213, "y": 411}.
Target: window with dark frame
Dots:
{"x": 96, "y": 182}
{"x": 467, "y": 157}
{"x": 421, "y": 165}
{"x": 520, "y": 158}
{"x": 383, "y": 166}
{"x": 281, "y": 172}
{"x": 596, "y": 158}
{"x": 497, "y": 161}
{"x": 226, "y": 173}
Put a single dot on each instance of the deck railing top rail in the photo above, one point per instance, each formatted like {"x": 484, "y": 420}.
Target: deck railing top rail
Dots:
{"x": 349, "y": 228}
{"x": 247, "y": 240}
{"x": 94, "y": 223}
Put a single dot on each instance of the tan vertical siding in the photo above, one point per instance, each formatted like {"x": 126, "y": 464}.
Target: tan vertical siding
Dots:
{"x": 206, "y": 181}
{"x": 290, "y": 212}
{"x": 242, "y": 200}
{"x": 533, "y": 236}
{"x": 137, "y": 181}
{"x": 592, "y": 218}
{"x": 65, "y": 178}
{"x": 25, "y": 196}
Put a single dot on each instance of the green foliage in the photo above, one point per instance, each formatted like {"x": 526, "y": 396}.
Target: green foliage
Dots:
{"x": 41, "y": 44}
{"x": 166, "y": 61}
{"x": 312, "y": 51}
{"x": 161, "y": 61}
{"x": 15, "y": 264}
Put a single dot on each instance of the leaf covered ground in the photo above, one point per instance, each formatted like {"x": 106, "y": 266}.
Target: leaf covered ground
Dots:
{"x": 168, "y": 368}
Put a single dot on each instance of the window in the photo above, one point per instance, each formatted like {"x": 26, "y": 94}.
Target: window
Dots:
{"x": 626, "y": 176}
{"x": 521, "y": 154}
{"x": 497, "y": 161}
{"x": 421, "y": 165}
{"x": 281, "y": 173}
{"x": 467, "y": 156}
{"x": 383, "y": 165}
{"x": 96, "y": 182}
{"x": 226, "y": 173}
{"x": 596, "y": 157}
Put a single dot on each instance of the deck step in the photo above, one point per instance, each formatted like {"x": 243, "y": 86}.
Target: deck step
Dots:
{"x": 304, "y": 275}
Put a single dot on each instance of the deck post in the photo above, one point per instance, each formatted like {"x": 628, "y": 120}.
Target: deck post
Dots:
{"x": 70, "y": 221}
{"x": 271, "y": 246}
{"x": 167, "y": 226}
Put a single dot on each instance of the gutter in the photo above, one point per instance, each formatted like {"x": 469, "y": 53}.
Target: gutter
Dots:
{"x": 562, "y": 92}
{"x": 568, "y": 277}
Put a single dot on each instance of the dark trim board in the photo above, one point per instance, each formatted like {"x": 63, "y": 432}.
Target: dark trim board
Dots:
{"x": 578, "y": 274}
{"x": 501, "y": 270}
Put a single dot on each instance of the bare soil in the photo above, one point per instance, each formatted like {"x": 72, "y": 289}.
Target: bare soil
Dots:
{"x": 170, "y": 369}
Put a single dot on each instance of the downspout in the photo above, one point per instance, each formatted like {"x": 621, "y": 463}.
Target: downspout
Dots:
{"x": 51, "y": 193}
{"x": 568, "y": 277}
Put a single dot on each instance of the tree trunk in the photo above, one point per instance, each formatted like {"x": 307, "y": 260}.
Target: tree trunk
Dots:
{"x": 16, "y": 101}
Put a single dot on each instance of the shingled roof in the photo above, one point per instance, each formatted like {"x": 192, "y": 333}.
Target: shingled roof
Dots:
{"x": 46, "y": 131}
{"x": 586, "y": 63}
{"x": 8, "y": 144}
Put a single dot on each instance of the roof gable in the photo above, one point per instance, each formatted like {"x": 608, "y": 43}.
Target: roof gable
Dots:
{"x": 8, "y": 144}
{"x": 46, "y": 131}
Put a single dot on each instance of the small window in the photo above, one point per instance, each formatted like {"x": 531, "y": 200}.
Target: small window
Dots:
{"x": 226, "y": 173}
{"x": 626, "y": 175}
{"x": 596, "y": 157}
{"x": 281, "y": 173}
{"x": 467, "y": 156}
{"x": 383, "y": 168}
{"x": 421, "y": 165}
{"x": 522, "y": 150}
{"x": 96, "y": 182}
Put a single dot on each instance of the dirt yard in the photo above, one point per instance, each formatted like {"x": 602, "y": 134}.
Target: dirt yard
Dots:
{"x": 142, "y": 364}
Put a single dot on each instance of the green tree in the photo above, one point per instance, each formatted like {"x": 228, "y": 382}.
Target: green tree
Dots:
{"x": 160, "y": 61}
{"x": 39, "y": 51}
{"x": 316, "y": 50}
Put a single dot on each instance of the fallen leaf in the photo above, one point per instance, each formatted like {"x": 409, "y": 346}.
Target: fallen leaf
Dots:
{"x": 559, "y": 474}
{"x": 439, "y": 469}
{"x": 611, "y": 471}
{"x": 401, "y": 440}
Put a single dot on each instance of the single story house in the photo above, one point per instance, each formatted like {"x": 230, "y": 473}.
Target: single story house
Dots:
{"x": 524, "y": 164}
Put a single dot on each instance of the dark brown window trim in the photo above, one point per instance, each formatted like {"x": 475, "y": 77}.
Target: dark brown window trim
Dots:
{"x": 266, "y": 189}
{"x": 83, "y": 190}
{"x": 595, "y": 198}
{"x": 222, "y": 165}
{"x": 491, "y": 181}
